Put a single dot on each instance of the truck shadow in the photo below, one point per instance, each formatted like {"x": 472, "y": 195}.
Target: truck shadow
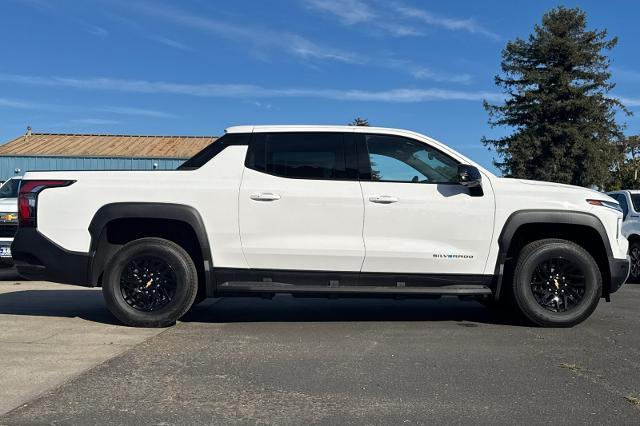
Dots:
{"x": 291, "y": 309}
{"x": 88, "y": 304}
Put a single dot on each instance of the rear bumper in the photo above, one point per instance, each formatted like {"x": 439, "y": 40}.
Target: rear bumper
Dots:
{"x": 38, "y": 258}
{"x": 620, "y": 269}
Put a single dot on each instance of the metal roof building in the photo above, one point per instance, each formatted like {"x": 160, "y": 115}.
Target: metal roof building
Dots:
{"x": 51, "y": 151}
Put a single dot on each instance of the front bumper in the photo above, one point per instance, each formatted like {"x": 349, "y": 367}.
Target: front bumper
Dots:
{"x": 38, "y": 258}
{"x": 620, "y": 269}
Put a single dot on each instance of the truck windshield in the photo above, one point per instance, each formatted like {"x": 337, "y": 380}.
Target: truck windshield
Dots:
{"x": 9, "y": 189}
{"x": 635, "y": 199}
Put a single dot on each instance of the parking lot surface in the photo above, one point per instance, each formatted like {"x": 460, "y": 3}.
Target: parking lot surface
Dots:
{"x": 295, "y": 361}
{"x": 50, "y": 333}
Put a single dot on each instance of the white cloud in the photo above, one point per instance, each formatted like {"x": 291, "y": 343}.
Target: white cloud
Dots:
{"x": 263, "y": 40}
{"x": 98, "y": 121}
{"x": 13, "y": 103}
{"x": 454, "y": 24}
{"x": 120, "y": 110}
{"x": 259, "y": 104}
{"x": 299, "y": 46}
{"x": 96, "y": 30}
{"x": 348, "y": 11}
{"x": 352, "y": 12}
{"x": 251, "y": 92}
{"x": 170, "y": 42}
{"x": 260, "y": 39}
{"x": 424, "y": 73}
{"x": 630, "y": 102}
{"x": 135, "y": 111}
{"x": 395, "y": 18}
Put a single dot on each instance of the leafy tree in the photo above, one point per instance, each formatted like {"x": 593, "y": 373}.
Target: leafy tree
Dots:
{"x": 556, "y": 85}
{"x": 627, "y": 174}
{"x": 358, "y": 121}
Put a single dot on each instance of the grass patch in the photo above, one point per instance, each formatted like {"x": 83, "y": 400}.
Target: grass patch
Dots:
{"x": 633, "y": 400}
{"x": 573, "y": 367}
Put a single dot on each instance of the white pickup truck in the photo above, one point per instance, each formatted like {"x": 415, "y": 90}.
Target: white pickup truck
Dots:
{"x": 321, "y": 211}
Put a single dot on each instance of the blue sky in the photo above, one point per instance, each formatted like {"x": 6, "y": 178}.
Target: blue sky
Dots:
{"x": 194, "y": 67}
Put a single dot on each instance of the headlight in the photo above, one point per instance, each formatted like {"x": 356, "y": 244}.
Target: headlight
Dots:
{"x": 604, "y": 203}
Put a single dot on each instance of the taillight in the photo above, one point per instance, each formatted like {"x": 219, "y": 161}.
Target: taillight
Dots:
{"x": 28, "y": 198}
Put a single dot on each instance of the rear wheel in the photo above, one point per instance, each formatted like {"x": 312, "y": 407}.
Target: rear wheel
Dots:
{"x": 150, "y": 282}
{"x": 556, "y": 283}
{"x": 634, "y": 254}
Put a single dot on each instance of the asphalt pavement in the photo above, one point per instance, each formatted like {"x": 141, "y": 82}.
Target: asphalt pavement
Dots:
{"x": 349, "y": 361}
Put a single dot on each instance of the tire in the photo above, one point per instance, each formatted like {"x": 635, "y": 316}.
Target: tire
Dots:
{"x": 569, "y": 297}
{"x": 140, "y": 268}
{"x": 634, "y": 254}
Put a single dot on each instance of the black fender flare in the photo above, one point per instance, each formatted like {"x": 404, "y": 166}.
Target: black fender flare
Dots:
{"x": 142, "y": 210}
{"x": 524, "y": 217}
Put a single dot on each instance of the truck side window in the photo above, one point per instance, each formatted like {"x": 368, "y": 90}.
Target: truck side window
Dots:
{"x": 398, "y": 159}
{"x": 303, "y": 155}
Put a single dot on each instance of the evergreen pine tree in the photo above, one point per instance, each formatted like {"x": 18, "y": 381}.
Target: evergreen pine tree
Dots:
{"x": 557, "y": 104}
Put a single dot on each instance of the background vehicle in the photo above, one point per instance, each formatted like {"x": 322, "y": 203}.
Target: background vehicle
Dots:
{"x": 8, "y": 218}
{"x": 321, "y": 211}
{"x": 629, "y": 201}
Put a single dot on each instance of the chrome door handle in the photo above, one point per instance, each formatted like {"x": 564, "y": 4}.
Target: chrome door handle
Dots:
{"x": 264, "y": 196}
{"x": 383, "y": 199}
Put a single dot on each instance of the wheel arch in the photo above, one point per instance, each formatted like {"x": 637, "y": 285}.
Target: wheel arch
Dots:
{"x": 633, "y": 238}
{"x": 524, "y": 226}
{"x": 185, "y": 221}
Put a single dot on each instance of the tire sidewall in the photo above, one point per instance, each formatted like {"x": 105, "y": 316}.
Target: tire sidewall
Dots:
{"x": 183, "y": 270}
{"x": 527, "y": 301}
{"x": 632, "y": 278}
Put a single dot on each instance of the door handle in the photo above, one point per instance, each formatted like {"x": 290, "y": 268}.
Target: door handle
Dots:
{"x": 264, "y": 196}
{"x": 383, "y": 199}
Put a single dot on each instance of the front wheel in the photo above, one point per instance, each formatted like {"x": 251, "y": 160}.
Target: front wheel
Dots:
{"x": 150, "y": 282}
{"x": 556, "y": 283}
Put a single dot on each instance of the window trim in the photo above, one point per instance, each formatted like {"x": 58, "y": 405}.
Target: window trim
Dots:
{"x": 364, "y": 159}
{"x": 216, "y": 147}
{"x": 350, "y": 156}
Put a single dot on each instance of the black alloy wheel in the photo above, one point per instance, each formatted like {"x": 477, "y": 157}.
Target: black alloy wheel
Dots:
{"x": 148, "y": 283}
{"x": 558, "y": 284}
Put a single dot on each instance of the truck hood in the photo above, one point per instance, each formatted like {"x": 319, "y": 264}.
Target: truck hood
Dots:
{"x": 521, "y": 194}
{"x": 551, "y": 186}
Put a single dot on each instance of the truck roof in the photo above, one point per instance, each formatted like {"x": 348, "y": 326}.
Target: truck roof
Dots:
{"x": 310, "y": 128}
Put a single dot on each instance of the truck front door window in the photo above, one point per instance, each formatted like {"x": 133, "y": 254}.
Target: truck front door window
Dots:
{"x": 396, "y": 159}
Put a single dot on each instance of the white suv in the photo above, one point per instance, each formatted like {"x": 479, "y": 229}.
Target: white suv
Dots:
{"x": 629, "y": 201}
{"x": 321, "y": 211}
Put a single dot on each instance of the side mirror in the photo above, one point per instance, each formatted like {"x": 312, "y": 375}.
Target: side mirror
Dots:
{"x": 469, "y": 176}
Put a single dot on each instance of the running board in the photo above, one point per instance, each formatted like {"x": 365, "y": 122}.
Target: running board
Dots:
{"x": 277, "y": 287}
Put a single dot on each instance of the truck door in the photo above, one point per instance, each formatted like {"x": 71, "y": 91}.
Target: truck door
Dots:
{"x": 301, "y": 205}
{"x": 418, "y": 218}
